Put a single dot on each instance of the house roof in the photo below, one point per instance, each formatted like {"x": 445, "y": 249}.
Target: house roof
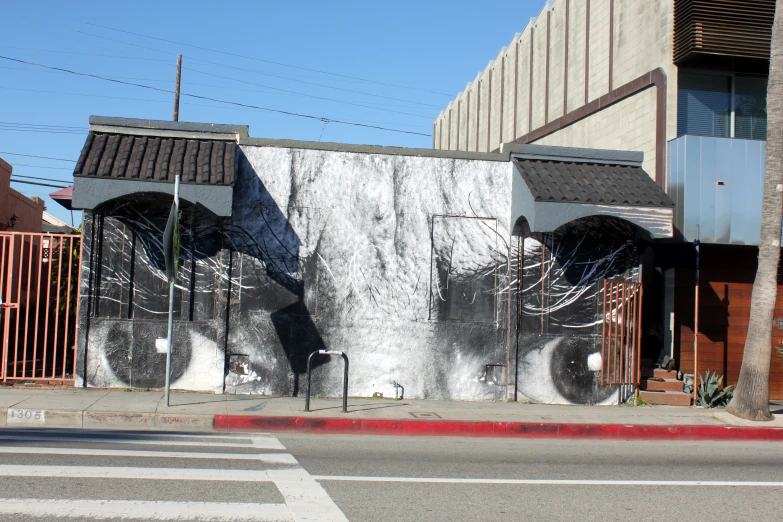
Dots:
{"x": 592, "y": 183}
{"x": 155, "y": 158}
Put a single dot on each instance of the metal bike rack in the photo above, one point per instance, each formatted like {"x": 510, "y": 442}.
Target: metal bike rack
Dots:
{"x": 345, "y": 377}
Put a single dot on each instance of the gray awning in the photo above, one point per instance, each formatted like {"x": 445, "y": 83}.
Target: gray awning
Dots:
{"x": 118, "y": 164}
{"x": 551, "y": 193}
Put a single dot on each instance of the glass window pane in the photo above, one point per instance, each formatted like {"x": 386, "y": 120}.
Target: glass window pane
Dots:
{"x": 750, "y": 106}
{"x": 703, "y": 104}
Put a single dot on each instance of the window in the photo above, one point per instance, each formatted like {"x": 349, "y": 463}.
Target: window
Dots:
{"x": 750, "y": 107}
{"x": 722, "y": 105}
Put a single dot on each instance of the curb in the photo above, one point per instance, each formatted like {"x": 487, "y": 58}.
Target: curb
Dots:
{"x": 30, "y": 418}
{"x": 492, "y": 429}
{"x": 26, "y": 418}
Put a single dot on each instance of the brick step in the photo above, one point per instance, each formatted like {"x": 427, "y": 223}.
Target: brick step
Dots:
{"x": 666, "y": 398}
{"x": 665, "y": 385}
{"x": 660, "y": 373}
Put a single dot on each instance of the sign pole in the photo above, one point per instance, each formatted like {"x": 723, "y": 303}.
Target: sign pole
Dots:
{"x": 172, "y": 280}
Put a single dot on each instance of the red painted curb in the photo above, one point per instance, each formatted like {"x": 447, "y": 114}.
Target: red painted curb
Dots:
{"x": 445, "y": 428}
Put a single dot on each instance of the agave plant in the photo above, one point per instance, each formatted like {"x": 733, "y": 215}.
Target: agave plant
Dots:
{"x": 711, "y": 392}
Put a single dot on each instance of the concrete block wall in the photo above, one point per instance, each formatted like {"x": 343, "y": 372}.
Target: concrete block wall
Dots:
{"x": 578, "y": 52}
{"x": 626, "y": 125}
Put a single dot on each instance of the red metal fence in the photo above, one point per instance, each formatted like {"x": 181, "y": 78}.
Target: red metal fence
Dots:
{"x": 39, "y": 296}
{"x": 622, "y": 332}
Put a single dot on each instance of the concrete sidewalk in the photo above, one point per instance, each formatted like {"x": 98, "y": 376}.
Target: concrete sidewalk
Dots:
{"x": 118, "y": 409}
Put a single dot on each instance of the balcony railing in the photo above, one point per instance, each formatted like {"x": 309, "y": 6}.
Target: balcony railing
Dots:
{"x": 717, "y": 184}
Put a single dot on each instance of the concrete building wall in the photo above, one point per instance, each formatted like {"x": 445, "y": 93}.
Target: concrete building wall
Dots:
{"x": 627, "y": 125}
{"x": 640, "y": 42}
{"x": 509, "y": 78}
{"x": 539, "y": 70}
{"x": 557, "y": 60}
{"x": 577, "y": 33}
{"x": 524, "y": 81}
{"x": 598, "y": 25}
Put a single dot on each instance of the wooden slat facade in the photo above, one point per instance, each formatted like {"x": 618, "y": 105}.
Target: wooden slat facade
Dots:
{"x": 726, "y": 282}
{"x": 733, "y": 28}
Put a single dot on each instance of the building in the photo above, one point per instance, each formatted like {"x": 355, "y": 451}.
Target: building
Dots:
{"x": 18, "y": 213}
{"x": 684, "y": 82}
{"x": 417, "y": 263}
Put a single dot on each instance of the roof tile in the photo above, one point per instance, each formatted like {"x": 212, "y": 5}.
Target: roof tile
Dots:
{"x": 591, "y": 183}
{"x": 157, "y": 159}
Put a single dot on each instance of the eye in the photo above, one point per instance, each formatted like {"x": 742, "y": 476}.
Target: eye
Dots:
{"x": 560, "y": 291}
{"x": 563, "y": 370}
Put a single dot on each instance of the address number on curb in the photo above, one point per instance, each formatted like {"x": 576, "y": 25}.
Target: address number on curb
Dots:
{"x": 17, "y": 416}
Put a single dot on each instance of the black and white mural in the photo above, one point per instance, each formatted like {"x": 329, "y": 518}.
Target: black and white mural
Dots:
{"x": 560, "y": 301}
{"x": 408, "y": 264}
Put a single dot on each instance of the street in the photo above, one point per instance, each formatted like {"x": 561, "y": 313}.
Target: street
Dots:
{"x": 174, "y": 476}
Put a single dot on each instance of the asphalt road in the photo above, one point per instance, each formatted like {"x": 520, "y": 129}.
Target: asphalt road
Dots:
{"x": 80, "y": 475}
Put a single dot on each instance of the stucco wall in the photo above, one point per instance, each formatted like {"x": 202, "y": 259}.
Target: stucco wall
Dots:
{"x": 640, "y": 42}
{"x": 28, "y": 212}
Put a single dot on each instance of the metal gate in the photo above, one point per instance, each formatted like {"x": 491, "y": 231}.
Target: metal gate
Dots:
{"x": 622, "y": 332}
{"x": 39, "y": 296}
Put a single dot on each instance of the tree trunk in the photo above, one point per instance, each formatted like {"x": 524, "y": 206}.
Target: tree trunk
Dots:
{"x": 751, "y": 396}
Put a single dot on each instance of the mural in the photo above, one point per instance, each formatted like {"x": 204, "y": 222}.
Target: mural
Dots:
{"x": 560, "y": 300}
{"x": 405, "y": 263}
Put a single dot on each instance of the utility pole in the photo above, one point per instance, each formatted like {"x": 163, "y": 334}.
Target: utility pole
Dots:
{"x": 176, "y": 88}
{"x": 171, "y": 248}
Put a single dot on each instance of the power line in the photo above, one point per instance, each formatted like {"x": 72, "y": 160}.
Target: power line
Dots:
{"x": 310, "y": 95}
{"x": 45, "y": 131}
{"x": 270, "y": 61}
{"x": 266, "y": 109}
{"x": 274, "y": 90}
{"x": 41, "y": 167}
{"x": 39, "y": 184}
{"x": 32, "y": 156}
{"x": 311, "y": 83}
{"x": 41, "y": 125}
{"x": 264, "y": 73}
{"x": 14, "y": 175}
{"x": 84, "y": 54}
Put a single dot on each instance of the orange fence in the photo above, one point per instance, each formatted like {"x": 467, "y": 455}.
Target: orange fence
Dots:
{"x": 39, "y": 296}
{"x": 622, "y": 332}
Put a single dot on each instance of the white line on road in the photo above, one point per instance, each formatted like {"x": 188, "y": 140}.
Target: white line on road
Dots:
{"x": 106, "y": 472}
{"x": 136, "y": 509}
{"x": 552, "y": 482}
{"x": 79, "y": 431}
{"x": 306, "y": 499}
{"x": 259, "y": 443}
{"x": 277, "y": 458}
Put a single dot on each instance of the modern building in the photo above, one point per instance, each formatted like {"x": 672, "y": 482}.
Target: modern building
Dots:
{"x": 408, "y": 260}
{"x": 684, "y": 82}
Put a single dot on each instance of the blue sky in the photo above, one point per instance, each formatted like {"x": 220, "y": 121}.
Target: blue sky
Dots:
{"x": 393, "y": 65}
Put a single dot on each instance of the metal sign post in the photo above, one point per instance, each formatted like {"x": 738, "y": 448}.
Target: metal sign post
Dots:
{"x": 171, "y": 253}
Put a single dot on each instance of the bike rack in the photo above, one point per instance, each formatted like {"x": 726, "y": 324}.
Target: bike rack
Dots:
{"x": 345, "y": 377}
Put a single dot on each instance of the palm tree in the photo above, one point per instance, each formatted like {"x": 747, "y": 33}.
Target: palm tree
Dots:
{"x": 751, "y": 396}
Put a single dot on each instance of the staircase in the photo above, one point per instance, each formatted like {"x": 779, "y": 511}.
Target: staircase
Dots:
{"x": 660, "y": 386}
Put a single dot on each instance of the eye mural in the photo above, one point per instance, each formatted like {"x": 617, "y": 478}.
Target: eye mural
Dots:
{"x": 131, "y": 293}
{"x": 560, "y": 304}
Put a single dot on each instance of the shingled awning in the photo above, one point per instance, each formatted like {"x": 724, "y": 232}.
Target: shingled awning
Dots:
{"x": 549, "y": 193}
{"x": 117, "y": 164}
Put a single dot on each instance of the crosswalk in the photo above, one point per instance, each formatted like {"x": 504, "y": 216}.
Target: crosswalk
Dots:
{"x": 120, "y": 463}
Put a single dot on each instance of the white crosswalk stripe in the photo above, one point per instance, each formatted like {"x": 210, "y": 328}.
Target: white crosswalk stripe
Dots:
{"x": 304, "y": 499}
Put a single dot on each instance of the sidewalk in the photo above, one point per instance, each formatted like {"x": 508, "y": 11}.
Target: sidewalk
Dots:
{"x": 135, "y": 410}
